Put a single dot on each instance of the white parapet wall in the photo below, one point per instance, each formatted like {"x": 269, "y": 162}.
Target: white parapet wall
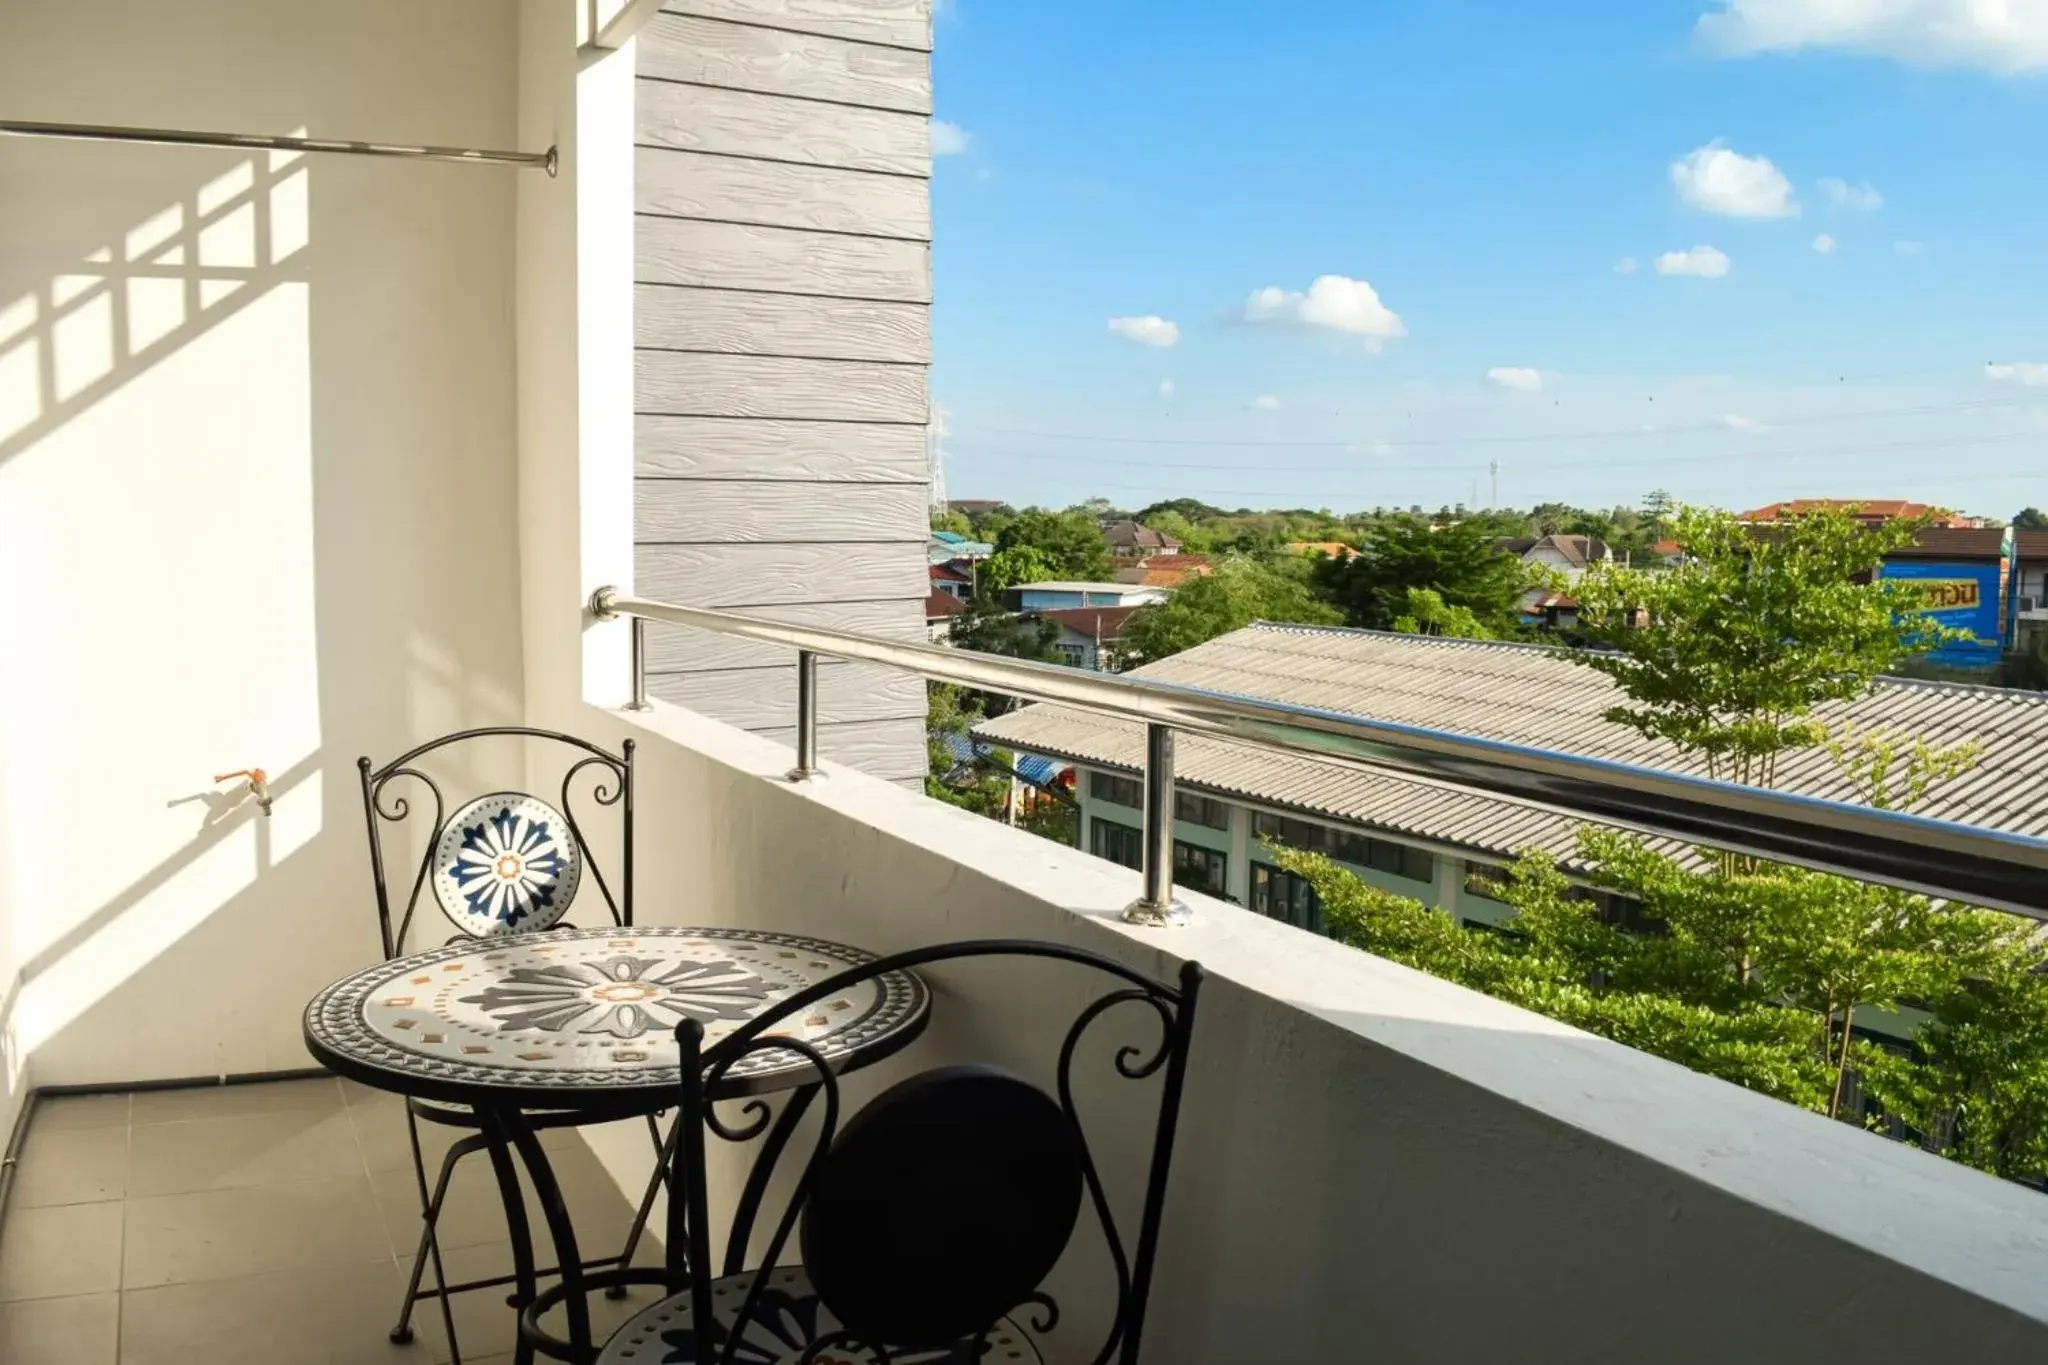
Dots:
{"x": 1373, "y": 1164}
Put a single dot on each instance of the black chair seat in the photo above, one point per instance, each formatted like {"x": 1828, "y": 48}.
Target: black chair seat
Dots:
{"x": 787, "y": 1321}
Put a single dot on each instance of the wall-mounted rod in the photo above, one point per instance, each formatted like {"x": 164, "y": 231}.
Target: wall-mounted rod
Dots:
{"x": 173, "y": 137}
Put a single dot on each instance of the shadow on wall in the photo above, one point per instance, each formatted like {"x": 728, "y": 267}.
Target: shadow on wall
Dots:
{"x": 256, "y": 501}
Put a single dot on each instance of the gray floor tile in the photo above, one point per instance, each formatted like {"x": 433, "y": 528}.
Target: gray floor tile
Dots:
{"x": 247, "y": 1149}
{"x": 64, "y": 1250}
{"x": 66, "y": 1112}
{"x": 71, "y": 1166}
{"x": 219, "y": 1234}
{"x": 485, "y": 1324}
{"x": 474, "y": 1212}
{"x": 232, "y": 1101}
{"x": 81, "y": 1330}
{"x": 332, "y": 1316}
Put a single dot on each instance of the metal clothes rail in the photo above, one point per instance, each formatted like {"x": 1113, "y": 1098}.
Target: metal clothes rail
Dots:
{"x": 1934, "y": 857}
{"x": 176, "y": 137}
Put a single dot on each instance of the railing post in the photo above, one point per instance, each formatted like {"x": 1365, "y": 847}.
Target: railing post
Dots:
{"x": 1156, "y": 906}
{"x": 806, "y": 717}
{"x": 639, "y": 702}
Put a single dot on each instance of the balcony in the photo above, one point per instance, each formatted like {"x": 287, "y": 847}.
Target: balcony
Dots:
{"x": 280, "y": 484}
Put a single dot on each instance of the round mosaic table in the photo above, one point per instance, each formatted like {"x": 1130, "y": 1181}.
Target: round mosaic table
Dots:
{"x": 585, "y": 1018}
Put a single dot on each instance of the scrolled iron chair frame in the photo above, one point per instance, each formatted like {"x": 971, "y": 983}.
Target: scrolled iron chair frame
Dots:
{"x": 687, "y": 1261}
{"x": 613, "y": 788}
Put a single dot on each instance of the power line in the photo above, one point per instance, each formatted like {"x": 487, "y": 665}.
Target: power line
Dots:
{"x": 1629, "y": 462}
{"x": 1875, "y": 414}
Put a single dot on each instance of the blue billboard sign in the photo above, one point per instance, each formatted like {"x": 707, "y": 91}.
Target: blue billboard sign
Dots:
{"x": 1961, "y": 596}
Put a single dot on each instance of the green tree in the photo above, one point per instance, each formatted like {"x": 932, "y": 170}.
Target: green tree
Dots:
{"x": 1009, "y": 567}
{"x": 949, "y": 712}
{"x": 1239, "y": 592}
{"x": 1071, "y": 541}
{"x": 946, "y": 519}
{"x": 2030, "y": 519}
{"x": 1461, "y": 562}
{"x": 1728, "y": 655}
{"x": 1424, "y": 612}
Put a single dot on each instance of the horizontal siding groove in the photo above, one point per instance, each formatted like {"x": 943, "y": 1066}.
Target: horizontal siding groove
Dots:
{"x": 780, "y": 355}
{"x": 782, "y": 293}
{"x": 757, "y": 222}
{"x": 792, "y": 29}
{"x": 672, "y": 116}
{"x": 775, "y": 160}
{"x": 783, "y": 95}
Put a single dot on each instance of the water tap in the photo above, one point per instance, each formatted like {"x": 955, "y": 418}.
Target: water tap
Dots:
{"x": 259, "y": 785}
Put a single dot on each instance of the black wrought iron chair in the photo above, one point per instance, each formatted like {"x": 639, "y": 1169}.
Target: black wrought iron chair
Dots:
{"x": 504, "y": 863}
{"x": 927, "y": 1223}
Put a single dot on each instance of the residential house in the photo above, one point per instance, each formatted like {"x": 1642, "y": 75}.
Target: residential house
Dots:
{"x": 940, "y": 609}
{"x": 954, "y": 580}
{"x": 1333, "y": 549}
{"x": 1164, "y": 571}
{"x": 2029, "y": 588}
{"x": 1088, "y": 635}
{"x": 1565, "y": 556}
{"x": 1058, "y": 596}
{"x": 974, "y": 507}
{"x": 1869, "y": 510}
{"x": 1129, "y": 540}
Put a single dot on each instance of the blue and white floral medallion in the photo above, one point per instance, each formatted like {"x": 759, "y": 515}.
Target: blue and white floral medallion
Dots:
{"x": 506, "y": 864}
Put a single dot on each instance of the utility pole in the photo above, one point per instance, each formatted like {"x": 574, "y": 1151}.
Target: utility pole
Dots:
{"x": 1493, "y": 492}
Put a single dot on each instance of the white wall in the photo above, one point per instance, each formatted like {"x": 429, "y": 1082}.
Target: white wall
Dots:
{"x": 257, "y": 499}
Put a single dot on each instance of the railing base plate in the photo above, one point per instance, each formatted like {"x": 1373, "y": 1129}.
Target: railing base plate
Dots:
{"x": 1172, "y": 915}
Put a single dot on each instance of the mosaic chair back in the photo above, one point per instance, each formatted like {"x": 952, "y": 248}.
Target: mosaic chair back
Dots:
{"x": 926, "y": 1225}
{"x": 504, "y": 862}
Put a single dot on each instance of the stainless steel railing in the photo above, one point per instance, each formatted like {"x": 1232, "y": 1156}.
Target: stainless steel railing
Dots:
{"x": 1935, "y": 857}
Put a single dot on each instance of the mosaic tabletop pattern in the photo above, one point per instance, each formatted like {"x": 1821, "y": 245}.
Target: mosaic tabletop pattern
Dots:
{"x": 595, "y": 1010}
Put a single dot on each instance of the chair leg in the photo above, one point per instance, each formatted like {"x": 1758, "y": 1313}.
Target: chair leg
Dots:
{"x": 430, "y": 1246}
{"x": 664, "y": 1150}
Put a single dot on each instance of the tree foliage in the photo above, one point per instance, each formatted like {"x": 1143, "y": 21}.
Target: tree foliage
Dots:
{"x": 1460, "y": 561}
{"x": 1423, "y": 611}
{"x": 1728, "y": 655}
{"x": 1014, "y": 566}
{"x": 1070, "y": 542}
{"x": 2030, "y": 519}
{"x": 1239, "y": 592}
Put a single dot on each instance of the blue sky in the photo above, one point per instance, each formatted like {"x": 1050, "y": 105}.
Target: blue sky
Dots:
{"x": 1472, "y": 173}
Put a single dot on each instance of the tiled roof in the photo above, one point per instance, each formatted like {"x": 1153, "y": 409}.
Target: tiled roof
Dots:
{"x": 1869, "y": 509}
{"x": 1522, "y": 694}
{"x": 940, "y": 605}
{"x": 1139, "y": 537}
{"x": 2030, "y": 544}
{"x": 946, "y": 573}
{"x": 1954, "y": 542}
{"x": 1100, "y": 624}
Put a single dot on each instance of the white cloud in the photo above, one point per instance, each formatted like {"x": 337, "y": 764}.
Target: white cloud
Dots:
{"x": 2002, "y": 35}
{"x": 949, "y": 139}
{"x": 1334, "y": 303}
{"x": 1910, "y": 248}
{"x": 1150, "y": 330}
{"x": 1702, "y": 261}
{"x": 1166, "y": 388}
{"x": 1718, "y": 179}
{"x": 1266, "y": 401}
{"x": 1518, "y": 377}
{"x": 1824, "y": 244}
{"x": 1735, "y": 421}
{"x": 1625, "y": 266}
{"x": 2028, "y": 375}
{"x": 1863, "y": 198}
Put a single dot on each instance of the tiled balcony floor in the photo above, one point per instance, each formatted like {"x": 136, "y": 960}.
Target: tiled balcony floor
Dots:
{"x": 259, "y": 1223}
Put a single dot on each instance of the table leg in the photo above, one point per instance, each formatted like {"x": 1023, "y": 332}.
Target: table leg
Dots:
{"x": 560, "y": 1229}
{"x": 498, "y": 1136}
